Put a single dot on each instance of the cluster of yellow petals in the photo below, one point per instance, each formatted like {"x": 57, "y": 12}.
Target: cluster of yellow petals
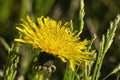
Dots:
{"x": 55, "y": 39}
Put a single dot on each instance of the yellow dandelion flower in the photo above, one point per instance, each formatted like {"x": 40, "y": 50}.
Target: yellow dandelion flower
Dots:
{"x": 55, "y": 39}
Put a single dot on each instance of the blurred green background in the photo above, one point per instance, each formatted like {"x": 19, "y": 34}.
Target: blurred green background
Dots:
{"x": 98, "y": 15}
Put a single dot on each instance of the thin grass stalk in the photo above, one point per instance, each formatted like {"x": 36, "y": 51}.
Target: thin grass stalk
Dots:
{"x": 81, "y": 17}
{"x": 109, "y": 39}
{"x": 106, "y": 42}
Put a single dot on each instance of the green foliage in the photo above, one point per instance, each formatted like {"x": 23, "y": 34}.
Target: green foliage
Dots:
{"x": 81, "y": 16}
{"x": 5, "y": 11}
{"x": 115, "y": 70}
{"x": 42, "y": 7}
{"x": 104, "y": 46}
{"x": 69, "y": 74}
{"x": 10, "y": 69}
{"x": 22, "y": 60}
{"x": 6, "y": 6}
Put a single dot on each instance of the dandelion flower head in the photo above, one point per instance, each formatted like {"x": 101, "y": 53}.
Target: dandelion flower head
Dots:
{"x": 55, "y": 39}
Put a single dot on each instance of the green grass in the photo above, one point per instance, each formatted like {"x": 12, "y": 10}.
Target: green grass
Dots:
{"x": 19, "y": 60}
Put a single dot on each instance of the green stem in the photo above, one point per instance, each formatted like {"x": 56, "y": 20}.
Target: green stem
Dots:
{"x": 98, "y": 59}
{"x": 81, "y": 16}
{"x": 118, "y": 77}
{"x": 106, "y": 76}
{"x": 10, "y": 69}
